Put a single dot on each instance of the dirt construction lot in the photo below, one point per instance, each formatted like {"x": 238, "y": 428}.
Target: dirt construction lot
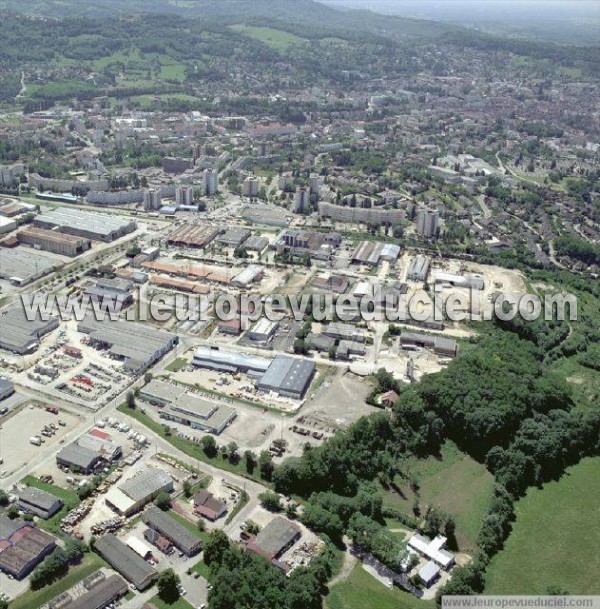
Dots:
{"x": 28, "y": 421}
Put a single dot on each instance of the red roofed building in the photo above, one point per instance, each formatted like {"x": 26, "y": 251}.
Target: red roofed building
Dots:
{"x": 206, "y": 505}
{"x": 98, "y": 433}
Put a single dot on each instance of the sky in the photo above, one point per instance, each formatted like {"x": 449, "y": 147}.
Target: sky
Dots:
{"x": 481, "y": 9}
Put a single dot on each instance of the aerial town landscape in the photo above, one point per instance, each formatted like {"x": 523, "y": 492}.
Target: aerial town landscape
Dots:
{"x": 281, "y": 307}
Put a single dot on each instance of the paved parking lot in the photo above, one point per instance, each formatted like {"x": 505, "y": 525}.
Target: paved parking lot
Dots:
{"x": 23, "y": 423}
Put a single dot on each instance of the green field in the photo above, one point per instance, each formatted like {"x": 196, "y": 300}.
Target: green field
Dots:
{"x": 363, "y": 591}
{"x": 59, "y": 89}
{"x": 33, "y": 599}
{"x": 455, "y": 483}
{"x": 276, "y": 39}
{"x": 555, "y": 538}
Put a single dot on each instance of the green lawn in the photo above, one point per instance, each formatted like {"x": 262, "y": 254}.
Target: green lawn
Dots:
{"x": 181, "y": 603}
{"x": 202, "y": 568}
{"x": 276, "y": 39}
{"x": 555, "y": 538}
{"x": 177, "y": 364}
{"x": 362, "y": 591}
{"x": 34, "y": 599}
{"x": 455, "y": 483}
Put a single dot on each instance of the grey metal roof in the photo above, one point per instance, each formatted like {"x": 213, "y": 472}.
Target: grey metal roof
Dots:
{"x": 167, "y": 526}
{"x": 101, "y": 594}
{"x": 234, "y": 235}
{"x": 287, "y": 374}
{"x": 146, "y": 483}
{"x": 90, "y": 222}
{"x": 256, "y": 243}
{"x": 216, "y": 357}
{"x": 419, "y": 266}
{"x": 194, "y": 405}
{"x": 163, "y": 391}
{"x": 321, "y": 342}
{"x": 218, "y": 416}
{"x": 130, "y": 340}
{"x": 26, "y": 264}
{"x": 8, "y": 527}
{"x": 429, "y": 571}
{"x": 275, "y": 536}
{"x": 133, "y": 567}
{"x": 38, "y": 498}
{"x": 77, "y": 455}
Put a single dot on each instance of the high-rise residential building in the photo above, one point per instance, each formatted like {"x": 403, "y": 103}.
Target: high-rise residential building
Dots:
{"x": 301, "y": 200}
{"x": 315, "y": 184}
{"x": 210, "y": 182}
{"x": 184, "y": 195}
{"x": 250, "y": 186}
{"x": 427, "y": 223}
{"x": 152, "y": 199}
{"x": 263, "y": 149}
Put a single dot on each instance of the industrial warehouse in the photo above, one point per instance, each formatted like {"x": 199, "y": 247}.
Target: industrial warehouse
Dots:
{"x": 277, "y": 537}
{"x": 138, "y": 345}
{"x": 288, "y": 377}
{"x": 129, "y": 564}
{"x": 53, "y": 241}
{"x": 371, "y": 254}
{"x": 131, "y": 496}
{"x": 78, "y": 458}
{"x": 22, "y": 546}
{"x": 88, "y": 452}
{"x": 100, "y": 592}
{"x": 285, "y": 376}
{"x": 229, "y": 361}
{"x": 22, "y": 266}
{"x": 172, "y": 530}
{"x": 419, "y": 268}
{"x": 35, "y": 501}
{"x": 440, "y": 345}
{"x": 90, "y": 225}
{"x": 186, "y": 408}
{"x": 20, "y": 335}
